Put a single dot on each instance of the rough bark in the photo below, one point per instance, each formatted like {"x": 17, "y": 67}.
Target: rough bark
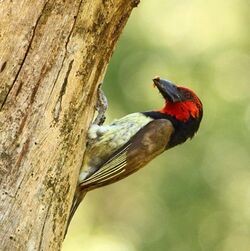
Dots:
{"x": 53, "y": 54}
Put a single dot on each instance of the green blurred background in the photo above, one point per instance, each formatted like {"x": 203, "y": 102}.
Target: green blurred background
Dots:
{"x": 195, "y": 197}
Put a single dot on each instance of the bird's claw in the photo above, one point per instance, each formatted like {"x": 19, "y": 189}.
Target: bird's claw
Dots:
{"x": 101, "y": 106}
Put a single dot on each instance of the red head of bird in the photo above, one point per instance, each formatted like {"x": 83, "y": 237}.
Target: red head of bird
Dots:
{"x": 182, "y": 107}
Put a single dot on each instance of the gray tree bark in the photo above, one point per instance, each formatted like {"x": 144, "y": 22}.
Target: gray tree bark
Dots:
{"x": 53, "y": 54}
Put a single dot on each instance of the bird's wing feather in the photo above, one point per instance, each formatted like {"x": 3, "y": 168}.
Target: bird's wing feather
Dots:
{"x": 108, "y": 139}
{"x": 146, "y": 144}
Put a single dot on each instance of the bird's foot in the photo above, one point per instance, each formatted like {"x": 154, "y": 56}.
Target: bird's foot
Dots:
{"x": 101, "y": 106}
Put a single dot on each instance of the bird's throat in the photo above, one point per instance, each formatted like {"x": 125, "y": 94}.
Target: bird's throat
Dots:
{"x": 182, "y": 111}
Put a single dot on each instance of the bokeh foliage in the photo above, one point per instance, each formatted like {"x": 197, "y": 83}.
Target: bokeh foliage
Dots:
{"x": 195, "y": 197}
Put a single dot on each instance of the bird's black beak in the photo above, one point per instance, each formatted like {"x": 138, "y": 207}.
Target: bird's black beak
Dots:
{"x": 167, "y": 89}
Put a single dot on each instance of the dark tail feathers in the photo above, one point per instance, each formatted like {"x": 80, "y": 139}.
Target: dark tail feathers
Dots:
{"x": 78, "y": 197}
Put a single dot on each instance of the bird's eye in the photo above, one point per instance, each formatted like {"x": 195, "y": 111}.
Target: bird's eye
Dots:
{"x": 186, "y": 95}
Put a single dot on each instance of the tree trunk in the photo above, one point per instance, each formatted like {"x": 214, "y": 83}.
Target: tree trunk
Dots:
{"x": 53, "y": 54}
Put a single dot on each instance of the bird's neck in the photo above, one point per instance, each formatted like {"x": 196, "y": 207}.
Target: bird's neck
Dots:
{"x": 183, "y": 129}
{"x": 182, "y": 111}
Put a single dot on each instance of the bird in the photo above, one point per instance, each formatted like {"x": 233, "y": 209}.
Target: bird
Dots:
{"x": 129, "y": 143}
